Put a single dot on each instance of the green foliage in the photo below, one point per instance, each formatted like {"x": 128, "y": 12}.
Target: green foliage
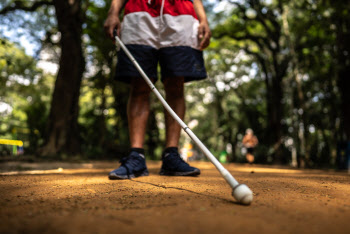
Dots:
{"x": 27, "y": 91}
{"x": 304, "y": 44}
{"x": 15, "y": 66}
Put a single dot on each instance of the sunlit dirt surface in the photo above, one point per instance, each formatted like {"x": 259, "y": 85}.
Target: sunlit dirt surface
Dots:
{"x": 83, "y": 200}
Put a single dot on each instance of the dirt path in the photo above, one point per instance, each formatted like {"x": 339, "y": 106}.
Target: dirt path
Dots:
{"x": 84, "y": 200}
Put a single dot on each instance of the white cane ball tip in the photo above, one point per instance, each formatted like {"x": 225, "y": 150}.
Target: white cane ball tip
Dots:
{"x": 243, "y": 194}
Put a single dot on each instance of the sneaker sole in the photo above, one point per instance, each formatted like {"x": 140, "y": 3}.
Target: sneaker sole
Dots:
{"x": 180, "y": 173}
{"x": 125, "y": 177}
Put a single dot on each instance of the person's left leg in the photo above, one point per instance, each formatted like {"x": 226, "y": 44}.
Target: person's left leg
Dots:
{"x": 173, "y": 164}
{"x": 174, "y": 96}
{"x": 250, "y": 157}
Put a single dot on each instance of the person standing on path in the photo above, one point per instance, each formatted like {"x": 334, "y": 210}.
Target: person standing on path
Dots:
{"x": 250, "y": 141}
{"x": 172, "y": 33}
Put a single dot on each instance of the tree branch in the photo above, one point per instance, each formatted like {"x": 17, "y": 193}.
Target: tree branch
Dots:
{"x": 273, "y": 33}
{"x": 259, "y": 40}
{"x": 19, "y": 5}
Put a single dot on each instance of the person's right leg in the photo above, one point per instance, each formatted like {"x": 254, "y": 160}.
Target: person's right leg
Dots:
{"x": 138, "y": 110}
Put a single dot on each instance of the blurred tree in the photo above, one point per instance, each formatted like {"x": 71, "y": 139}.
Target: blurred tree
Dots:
{"x": 315, "y": 58}
{"x": 257, "y": 25}
{"x": 27, "y": 90}
{"x": 293, "y": 43}
{"x": 15, "y": 65}
{"x": 340, "y": 17}
{"x": 63, "y": 135}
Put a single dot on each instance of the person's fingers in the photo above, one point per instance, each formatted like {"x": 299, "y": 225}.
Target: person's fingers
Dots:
{"x": 200, "y": 32}
{"x": 204, "y": 35}
{"x": 118, "y": 30}
{"x": 206, "y": 40}
{"x": 110, "y": 25}
{"x": 108, "y": 31}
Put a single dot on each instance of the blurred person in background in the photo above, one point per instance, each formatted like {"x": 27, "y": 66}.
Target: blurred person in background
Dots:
{"x": 250, "y": 141}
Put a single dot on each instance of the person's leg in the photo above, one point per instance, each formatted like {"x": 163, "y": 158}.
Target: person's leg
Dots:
{"x": 249, "y": 155}
{"x": 174, "y": 90}
{"x": 138, "y": 111}
{"x": 173, "y": 164}
{"x": 250, "y": 158}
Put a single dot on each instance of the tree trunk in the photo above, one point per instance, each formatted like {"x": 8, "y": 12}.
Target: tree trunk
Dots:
{"x": 274, "y": 107}
{"x": 344, "y": 85}
{"x": 275, "y": 119}
{"x": 343, "y": 47}
{"x": 300, "y": 104}
{"x": 63, "y": 134}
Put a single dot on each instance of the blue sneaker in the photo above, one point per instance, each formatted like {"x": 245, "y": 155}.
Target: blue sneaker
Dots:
{"x": 131, "y": 167}
{"x": 174, "y": 165}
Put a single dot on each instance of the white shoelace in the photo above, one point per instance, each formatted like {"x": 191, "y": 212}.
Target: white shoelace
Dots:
{"x": 161, "y": 9}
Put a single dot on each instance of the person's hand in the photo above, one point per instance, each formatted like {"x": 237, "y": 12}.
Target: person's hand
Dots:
{"x": 112, "y": 22}
{"x": 204, "y": 35}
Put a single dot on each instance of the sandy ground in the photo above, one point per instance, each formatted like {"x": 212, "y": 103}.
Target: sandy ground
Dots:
{"x": 83, "y": 200}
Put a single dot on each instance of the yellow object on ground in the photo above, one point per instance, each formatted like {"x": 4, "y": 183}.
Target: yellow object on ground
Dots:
{"x": 11, "y": 142}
